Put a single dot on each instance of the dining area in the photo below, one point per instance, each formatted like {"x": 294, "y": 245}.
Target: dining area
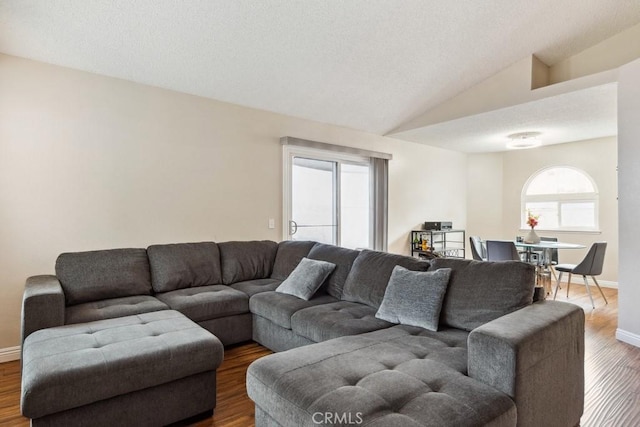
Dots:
{"x": 544, "y": 253}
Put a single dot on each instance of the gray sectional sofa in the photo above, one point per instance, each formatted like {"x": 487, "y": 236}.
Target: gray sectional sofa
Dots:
{"x": 496, "y": 357}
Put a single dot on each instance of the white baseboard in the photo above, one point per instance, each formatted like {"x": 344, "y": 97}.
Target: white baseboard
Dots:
{"x": 577, "y": 280}
{"x": 608, "y": 284}
{"x": 9, "y": 354}
{"x": 628, "y": 337}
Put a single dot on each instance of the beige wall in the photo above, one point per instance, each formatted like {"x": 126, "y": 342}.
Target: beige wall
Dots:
{"x": 511, "y": 169}
{"x": 629, "y": 158}
{"x": 609, "y": 54}
{"x": 89, "y": 162}
{"x": 484, "y": 196}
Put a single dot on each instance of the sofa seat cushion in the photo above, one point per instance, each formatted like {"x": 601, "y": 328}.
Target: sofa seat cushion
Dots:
{"x": 74, "y": 365}
{"x": 370, "y": 274}
{"x": 337, "y": 319}
{"x": 206, "y": 302}
{"x": 97, "y": 275}
{"x": 381, "y": 383}
{"x": 242, "y": 261}
{"x": 252, "y": 287}
{"x": 278, "y": 307}
{"x": 184, "y": 265}
{"x": 114, "y": 307}
{"x": 447, "y": 346}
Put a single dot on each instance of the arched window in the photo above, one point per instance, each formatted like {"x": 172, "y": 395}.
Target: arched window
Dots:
{"x": 564, "y": 197}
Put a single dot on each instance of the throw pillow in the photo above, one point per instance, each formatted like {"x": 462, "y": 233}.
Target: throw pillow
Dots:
{"x": 414, "y": 297}
{"x": 306, "y": 278}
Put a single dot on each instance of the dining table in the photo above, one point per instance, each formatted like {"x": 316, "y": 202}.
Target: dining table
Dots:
{"x": 543, "y": 275}
{"x": 545, "y": 247}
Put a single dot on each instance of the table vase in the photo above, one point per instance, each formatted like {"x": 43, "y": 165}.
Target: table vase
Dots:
{"x": 532, "y": 237}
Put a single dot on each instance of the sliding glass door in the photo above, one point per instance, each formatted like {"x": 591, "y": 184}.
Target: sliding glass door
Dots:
{"x": 314, "y": 211}
{"x": 328, "y": 198}
{"x": 355, "y": 205}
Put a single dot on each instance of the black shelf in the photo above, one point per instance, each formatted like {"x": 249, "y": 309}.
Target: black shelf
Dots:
{"x": 444, "y": 243}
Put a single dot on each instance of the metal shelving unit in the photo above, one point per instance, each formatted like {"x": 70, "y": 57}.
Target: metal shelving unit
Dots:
{"x": 444, "y": 243}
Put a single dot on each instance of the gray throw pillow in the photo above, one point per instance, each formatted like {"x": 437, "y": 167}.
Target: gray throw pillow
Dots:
{"x": 414, "y": 297}
{"x": 306, "y": 278}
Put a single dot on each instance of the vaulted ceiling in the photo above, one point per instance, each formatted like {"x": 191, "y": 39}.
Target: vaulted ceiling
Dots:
{"x": 366, "y": 64}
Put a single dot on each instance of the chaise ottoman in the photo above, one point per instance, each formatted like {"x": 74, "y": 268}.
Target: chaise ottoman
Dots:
{"x": 401, "y": 376}
{"x": 145, "y": 370}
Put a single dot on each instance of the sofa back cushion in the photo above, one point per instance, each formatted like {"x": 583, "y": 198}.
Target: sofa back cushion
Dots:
{"x": 481, "y": 291}
{"x": 343, "y": 258}
{"x": 246, "y": 260}
{"x": 288, "y": 256}
{"x": 370, "y": 274}
{"x": 184, "y": 265}
{"x": 96, "y": 275}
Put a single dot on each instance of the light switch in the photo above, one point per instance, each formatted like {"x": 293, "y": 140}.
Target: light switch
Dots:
{"x": 272, "y": 223}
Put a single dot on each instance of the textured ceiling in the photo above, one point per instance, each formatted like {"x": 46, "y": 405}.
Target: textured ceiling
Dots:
{"x": 364, "y": 64}
{"x": 574, "y": 116}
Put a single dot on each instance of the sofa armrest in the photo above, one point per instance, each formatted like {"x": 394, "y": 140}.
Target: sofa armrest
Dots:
{"x": 536, "y": 356}
{"x": 42, "y": 304}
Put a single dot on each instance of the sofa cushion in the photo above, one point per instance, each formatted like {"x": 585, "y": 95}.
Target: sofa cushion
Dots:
{"x": 97, "y": 275}
{"x": 279, "y": 307}
{"x": 306, "y": 279}
{"x": 375, "y": 382}
{"x": 114, "y": 307}
{"x": 343, "y": 258}
{"x": 184, "y": 265}
{"x": 327, "y": 321}
{"x": 481, "y": 291}
{"x": 246, "y": 260}
{"x": 289, "y": 254}
{"x": 370, "y": 275}
{"x": 206, "y": 302}
{"x": 414, "y": 297}
{"x": 447, "y": 346}
{"x": 252, "y": 287}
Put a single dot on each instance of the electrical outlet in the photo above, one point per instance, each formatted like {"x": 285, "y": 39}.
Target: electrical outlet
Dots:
{"x": 272, "y": 223}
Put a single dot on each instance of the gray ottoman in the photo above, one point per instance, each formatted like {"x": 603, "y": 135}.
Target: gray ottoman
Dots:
{"x": 400, "y": 377}
{"x": 144, "y": 370}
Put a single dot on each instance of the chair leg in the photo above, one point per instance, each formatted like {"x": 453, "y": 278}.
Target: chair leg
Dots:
{"x": 600, "y": 289}
{"x": 586, "y": 284}
{"x": 557, "y": 285}
{"x": 553, "y": 271}
{"x": 568, "y": 285}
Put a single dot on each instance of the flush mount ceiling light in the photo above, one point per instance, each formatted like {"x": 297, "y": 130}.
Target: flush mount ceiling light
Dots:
{"x": 524, "y": 140}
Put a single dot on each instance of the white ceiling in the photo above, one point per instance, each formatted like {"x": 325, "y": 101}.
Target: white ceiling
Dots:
{"x": 363, "y": 64}
{"x": 574, "y": 116}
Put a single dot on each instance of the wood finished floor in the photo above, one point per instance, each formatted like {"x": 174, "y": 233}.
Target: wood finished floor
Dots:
{"x": 612, "y": 370}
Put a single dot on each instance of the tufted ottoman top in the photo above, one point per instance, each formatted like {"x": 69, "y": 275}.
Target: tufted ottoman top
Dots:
{"x": 393, "y": 377}
{"x": 74, "y": 365}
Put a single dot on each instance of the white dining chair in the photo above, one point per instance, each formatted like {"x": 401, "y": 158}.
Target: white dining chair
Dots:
{"x": 478, "y": 251}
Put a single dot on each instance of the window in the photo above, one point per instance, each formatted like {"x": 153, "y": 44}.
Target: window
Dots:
{"x": 565, "y": 198}
{"x": 334, "y": 195}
